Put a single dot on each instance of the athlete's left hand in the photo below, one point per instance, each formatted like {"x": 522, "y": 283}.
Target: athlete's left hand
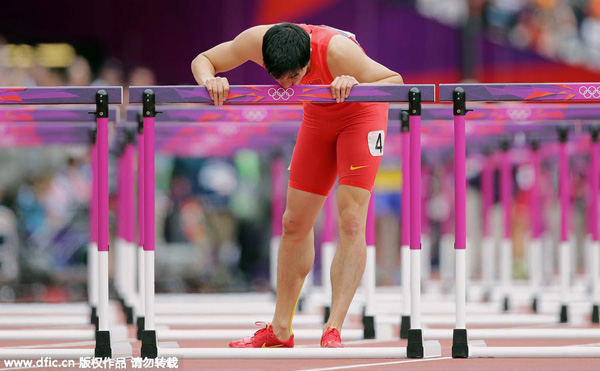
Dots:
{"x": 341, "y": 86}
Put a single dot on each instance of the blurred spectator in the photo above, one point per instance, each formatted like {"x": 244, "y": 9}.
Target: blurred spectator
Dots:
{"x": 79, "y": 72}
{"x": 44, "y": 76}
{"x": 565, "y": 30}
{"x": 111, "y": 74}
{"x": 141, "y": 76}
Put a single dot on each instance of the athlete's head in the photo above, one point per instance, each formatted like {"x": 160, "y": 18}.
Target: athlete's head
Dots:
{"x": 286, "y": 53}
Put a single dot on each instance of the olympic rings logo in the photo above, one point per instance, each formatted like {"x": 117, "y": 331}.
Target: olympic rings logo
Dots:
{"x": 281, "y": 93}
{"x": 254, "y": 114}
{"x": 518, "y": 114}
{"x": 589, "y": 92}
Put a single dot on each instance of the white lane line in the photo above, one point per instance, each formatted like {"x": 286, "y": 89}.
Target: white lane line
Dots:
{"x": 374, "y": 364}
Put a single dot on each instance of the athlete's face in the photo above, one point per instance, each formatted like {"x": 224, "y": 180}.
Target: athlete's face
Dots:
{"x": 292, "y": 78}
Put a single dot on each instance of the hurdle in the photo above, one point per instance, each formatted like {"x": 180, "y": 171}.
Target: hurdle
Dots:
{"x": 150, "y": 95}
{"x": 54, "y": 126}
{"x": 249, "y": 117}
{"x": 459, "y": 95}
{"x": 101, "y": 97}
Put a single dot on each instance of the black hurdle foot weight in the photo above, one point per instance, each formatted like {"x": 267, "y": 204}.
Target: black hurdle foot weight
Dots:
{"x": 140, "y": 327}
{"x": 460, "y": 344}
{"x": 129, "y": 315}
{"x": 564, "y": 314}
{"x": 103, "y": 349}
{"x": 149, "y": 346}
{"x": 327, "y": 314}
{"x": 369, "y": 327}
{"x": 534, "y": 305}
{"x": 301, "y": 305}
{"x": 595, "y": 314}
{"x": 404, "y": 327}
{"x": 506, "y": 304}
{"x": 415, "y": 349}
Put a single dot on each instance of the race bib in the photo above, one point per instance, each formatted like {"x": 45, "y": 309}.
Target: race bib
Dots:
{"x": 376, "y": 140}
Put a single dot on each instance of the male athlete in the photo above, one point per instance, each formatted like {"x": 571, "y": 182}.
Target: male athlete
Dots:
{"x": 334, "y": 139}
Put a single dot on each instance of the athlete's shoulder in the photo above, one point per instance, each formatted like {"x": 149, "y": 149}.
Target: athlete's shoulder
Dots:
{"x": 256, "y": 32}
{"x": 341, "y": 47}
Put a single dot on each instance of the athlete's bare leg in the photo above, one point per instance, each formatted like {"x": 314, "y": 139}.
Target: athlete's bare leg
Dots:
{"x": 349, "y": 262}
{"x": 296, "y": 255}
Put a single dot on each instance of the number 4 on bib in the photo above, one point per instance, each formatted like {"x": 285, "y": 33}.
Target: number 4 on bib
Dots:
{"x": 376, "y": 140}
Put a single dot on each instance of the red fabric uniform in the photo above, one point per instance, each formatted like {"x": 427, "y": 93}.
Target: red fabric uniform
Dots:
{"x": 337, "y": 138}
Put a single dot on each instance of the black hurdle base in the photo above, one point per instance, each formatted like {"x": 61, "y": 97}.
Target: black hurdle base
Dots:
{"x": 535, "y": 305}
{"x": 149, "y": 345}
{"x": 129, "y": 315}
{"x": 140, "y": 327}
{"x": 564, "y": 314}
{"x": 94, "y": 318}
{"x": 506, "y": 304}
{"x": 415, "y": 349}
{"x": 595, "y": 314}
{"x": 460, "y": 344}
{"x": 103, "y": 349}
{"x": 327, "y": 314}
{"x": 300, "y": 306}
{"x": 404, "y": 327}
{"x": 369, "y": 327}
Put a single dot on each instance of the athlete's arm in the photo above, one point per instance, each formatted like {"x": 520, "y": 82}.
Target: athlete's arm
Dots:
{"x": 247, "y": 46}
{"x": 350, "y": 66}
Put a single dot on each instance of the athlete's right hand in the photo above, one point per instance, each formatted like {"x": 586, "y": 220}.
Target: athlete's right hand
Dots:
{"x": 218, "y": 89}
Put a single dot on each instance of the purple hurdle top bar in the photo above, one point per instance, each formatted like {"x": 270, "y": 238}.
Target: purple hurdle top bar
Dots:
{"x": 248, "y": 113}
{"x": 586, "y": 92}
{"x": 293, "y": 113}
{"x": 58, "y": 95}
{"x": 274, "y": 94}
{"x": 514, "y": 112}
{"x": 52, "y": 114}
{"x": 370, "y": 228}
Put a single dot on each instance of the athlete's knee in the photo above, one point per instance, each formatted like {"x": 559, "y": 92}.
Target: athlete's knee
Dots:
{"x": 294, "y": 226}
{"x": 352, "y": 224}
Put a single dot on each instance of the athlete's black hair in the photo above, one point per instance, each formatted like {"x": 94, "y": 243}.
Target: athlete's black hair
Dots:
{"x": 285, "y": 49}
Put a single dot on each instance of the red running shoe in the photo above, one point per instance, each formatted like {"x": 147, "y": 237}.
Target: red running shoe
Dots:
{"x": 263, "y": 338}
{"x": 331, "y": 338}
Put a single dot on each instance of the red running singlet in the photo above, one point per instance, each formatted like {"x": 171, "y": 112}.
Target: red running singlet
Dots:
{"x": 345, "y": 139}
